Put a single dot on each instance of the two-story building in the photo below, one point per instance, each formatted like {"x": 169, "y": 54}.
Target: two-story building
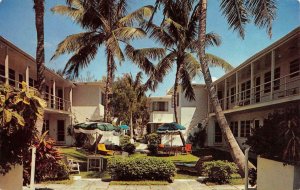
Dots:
{"x": 267, "y": 81}
{"x": 67, "y": 102}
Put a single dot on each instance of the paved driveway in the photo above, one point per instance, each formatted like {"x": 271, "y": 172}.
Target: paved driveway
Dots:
{"x": 97, "y": 184}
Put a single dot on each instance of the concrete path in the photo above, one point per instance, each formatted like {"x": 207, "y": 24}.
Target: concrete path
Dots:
{"x": 97, "y": 184}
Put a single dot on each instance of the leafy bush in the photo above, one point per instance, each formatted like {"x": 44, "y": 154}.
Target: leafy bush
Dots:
{"x": 80, "y": 139}
{"x": 19, "y": 111}
{"x": 153, "y": 141}
{"x": 252, "y": 176}
{"x": 198, "y": 138}
{"x": 279, "y": 137}
{"x": 219, "y": 171}
{"x": 141, "y": 169}
{"x": 130, "y": 148}
{"x": 48, "y": 161}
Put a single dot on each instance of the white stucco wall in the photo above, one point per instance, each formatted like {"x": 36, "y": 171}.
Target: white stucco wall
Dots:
{"x": 87, "y": 103}
{"x": 274, "y": 175}
{"x": 13, "y": 180}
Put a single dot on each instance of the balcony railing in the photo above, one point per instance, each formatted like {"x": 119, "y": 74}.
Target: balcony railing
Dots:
{"x": 53, "y": 102}
{"x": 284, "y": 86}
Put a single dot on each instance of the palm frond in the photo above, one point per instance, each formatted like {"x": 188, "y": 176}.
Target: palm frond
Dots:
{"x": 215, "y": 61}
{"x": 164, "y": 66}
{"x": 192, "y": 65}
{"x": 139, "y": 57}
{"x": 75, "y": 42}
{"x": 138, "y": 80}
{"x": 128, "y": 33}
{"x": 212, "y": 39}
{"x": 236, "y": 15}
{"x": 186, "y": 84}
{"x": 74, "y": 13}
{"x": 264, "y": 12}
{"x": 80, "y": 60}
{"x": 138, "y": 15}
{"x": 113, "y": 45}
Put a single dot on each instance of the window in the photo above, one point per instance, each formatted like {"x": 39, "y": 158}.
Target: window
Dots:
{"x": 160, "y": 106}
{"x": 102, "y": 98}
{"x": 234, "y": 128}
{"x": 218, "y": 133}
{"x": 31, "y": 82}
{"x": 47, "y": 93}
{"x": 267, "y": 82}
{"x": 295, "y": 68}
{"x": 245, "y": 128}
{"x": 12, "y": 77}
{"x": 245, "y": 87}
{"x": 20, "y": 80}
{"x": 2, "y": 73}
{"x": 45, "y": 126}
{"x": 232, "y": 95}
{"x": 276, "y": 82}
{"x": 256, "y": 123}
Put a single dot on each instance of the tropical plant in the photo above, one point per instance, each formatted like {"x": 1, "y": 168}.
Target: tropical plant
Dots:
{"x": 105, "y": 23}
{"x": 19, "y": 110}
{"x": 238, "y": 13}
{"x": 279, "y": 137}
{"x": 49, "y": 163}
{"x": 178, "y": 34}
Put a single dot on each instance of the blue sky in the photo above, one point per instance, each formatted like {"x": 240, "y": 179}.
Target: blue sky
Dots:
{"x": 17, "y": 25}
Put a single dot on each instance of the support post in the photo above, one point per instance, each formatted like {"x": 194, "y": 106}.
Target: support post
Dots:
{"x": 246, "y": 167}
{"x": 272, "y": 73}
{"x": 6, "y": 66}
{"x": 225, "y": 94}
{"x": 27, "y": 77}
{"x": 71, "y": 98}
{"x": 53, "y": 94}
{"x": 236, "y": 88}
{"x": 252, "y": 83}
{"x": 32, "y": 173}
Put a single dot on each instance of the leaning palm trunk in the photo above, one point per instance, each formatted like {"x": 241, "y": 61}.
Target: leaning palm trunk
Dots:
{"x": 108, "y": 90}
{"x": 235, "y": 151}
{"x": 40, "y": 55}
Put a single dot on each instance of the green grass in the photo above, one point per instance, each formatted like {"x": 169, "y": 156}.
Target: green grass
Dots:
{"x": 93, "y": 174}
{"x": 65, "y": 181}
{"x": 73, "y": 153}
{"x": 139, "y": 183}
{"x": 186, "y": 158}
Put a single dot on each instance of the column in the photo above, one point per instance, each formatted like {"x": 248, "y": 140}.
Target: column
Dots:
{"x": 6, "y": 67}
{"x": 225, "y": 94}
{"x": 252, "y": 83}
{"x": 272, "y": 73}
{"x": 236, "y": 88}
{"x": 27, "y": 77}
{"x": 71, "y": 98}
{"x": 53, "y": 95}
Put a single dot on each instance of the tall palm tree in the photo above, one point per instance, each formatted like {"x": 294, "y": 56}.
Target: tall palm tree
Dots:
{"x": 107, "y": 24}
{"x": 238, "y": 14}
{"x": 40, "y": 53}
{"x": 178, "y": 34}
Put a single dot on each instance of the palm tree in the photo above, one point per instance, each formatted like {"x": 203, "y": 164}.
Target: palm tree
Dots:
{"x": 40, "y": 52}
{"x": 178, "y": 35}
{"x": 106, "y": 24}
{"x": 238, "y": 14}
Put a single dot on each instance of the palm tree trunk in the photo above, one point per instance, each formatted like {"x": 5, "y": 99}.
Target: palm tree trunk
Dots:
{"x": 40, "y": 54}
{"x": 108, "y": 90}
{"x": 131, "y": 124}
{"x": 235, "y": 151}
{"x": 175, "y": 91}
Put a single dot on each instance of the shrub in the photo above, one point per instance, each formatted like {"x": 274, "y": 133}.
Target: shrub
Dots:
{"x": 198, "y": 138}
{"x": 141, "y": 168}
{"x": 80, "y": 139}
{"x": 153, "y": 141}
{"x": 130, "y": 148}
{"x": 219, "y": 171}
{"x": 252, "y": 176}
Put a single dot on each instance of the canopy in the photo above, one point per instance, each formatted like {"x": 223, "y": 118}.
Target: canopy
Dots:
{"x": 124, "y": 127}
{"x": 93, "y": 127}
{"x": 170, "y": 127}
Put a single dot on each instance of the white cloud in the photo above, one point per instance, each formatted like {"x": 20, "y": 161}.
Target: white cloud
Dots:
{"x": 0, "y": 1}
{"x": 214, "y": 78}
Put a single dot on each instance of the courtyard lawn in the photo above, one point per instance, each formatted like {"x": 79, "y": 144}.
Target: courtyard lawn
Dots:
{"x": 73, "y": 153}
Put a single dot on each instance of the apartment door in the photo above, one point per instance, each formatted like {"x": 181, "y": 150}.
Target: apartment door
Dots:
{"x": 218, "y": 133}
{"x": 257, "y": 89}
{"x": 60, "y": 99}
{"x": 60, "y": 130}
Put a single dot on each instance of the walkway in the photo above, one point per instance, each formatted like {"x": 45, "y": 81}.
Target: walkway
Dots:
{"x": 97, "y": 184}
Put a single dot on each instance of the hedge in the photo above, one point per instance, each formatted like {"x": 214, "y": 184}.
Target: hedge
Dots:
{"x": 133, "y": 169}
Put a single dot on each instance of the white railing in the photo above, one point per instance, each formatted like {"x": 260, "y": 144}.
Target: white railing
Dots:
{"x": 284, "y": 86}
{"x": 53, "y": 102}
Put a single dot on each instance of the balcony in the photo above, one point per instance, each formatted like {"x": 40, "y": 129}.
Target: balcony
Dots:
{"x": 283, "y": 89}
{"x": 54, "y": 103}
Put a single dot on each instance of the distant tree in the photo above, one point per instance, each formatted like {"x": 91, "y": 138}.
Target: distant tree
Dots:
{"x": 89, "y": 77}
{"x": 129, "y": 100}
